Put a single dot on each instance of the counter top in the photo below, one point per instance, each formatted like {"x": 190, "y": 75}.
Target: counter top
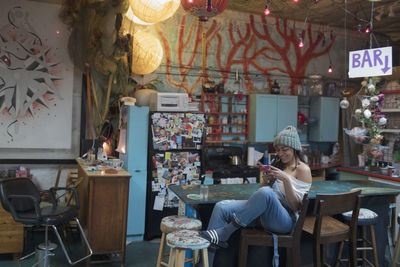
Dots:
{"x": 323, "y": 166}
{"x": 362, "y": 171}
{"x": 102, "y": 172}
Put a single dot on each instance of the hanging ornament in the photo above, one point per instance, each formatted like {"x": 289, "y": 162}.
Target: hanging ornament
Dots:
{"x": 344, "y": 103}
{"x": 382, "y": 121}
{"x": 375, "y": 98}
{"x": 358, "y": 112}
{"x": 365, "y": 102}
{"x": 367, "y": 113}
{"x": 371, "y": 88}
{"x": 204, "y": 9}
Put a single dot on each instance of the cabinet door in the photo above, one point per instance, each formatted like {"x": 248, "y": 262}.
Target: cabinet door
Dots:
{"x": 136, "y": 205}
{"x": 263, "y": 119}
{"x": 286, "y": 112}
{"x": 326, "y": 111}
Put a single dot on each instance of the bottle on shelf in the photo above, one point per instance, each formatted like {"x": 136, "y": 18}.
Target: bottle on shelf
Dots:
{"x": 266, "y": 161}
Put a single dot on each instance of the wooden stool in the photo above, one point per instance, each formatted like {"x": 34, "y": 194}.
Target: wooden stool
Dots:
{"x": 183, "y": 240}
{"x": 366, "y": 218}
{"x": 397, "y": 248}
{"x": 171, "y": 224}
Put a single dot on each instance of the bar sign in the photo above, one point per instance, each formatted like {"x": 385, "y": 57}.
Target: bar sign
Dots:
{"x": 370, "y": 62}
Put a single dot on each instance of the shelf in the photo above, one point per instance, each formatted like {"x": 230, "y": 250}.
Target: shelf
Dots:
{"x": 226, "y": 141}
{"x": 225, "y": 124}
{"x": 226, "y": 133}
{"x": 391, "y": 131}
{"x": 227, "y": 113}
{"x": 214, "y": 94}
{"x": 390, "y": 110}
{"x": 390, "y": 91}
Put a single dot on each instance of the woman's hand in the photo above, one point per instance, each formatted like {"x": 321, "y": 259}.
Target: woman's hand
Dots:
{"x": 278, "y": 174}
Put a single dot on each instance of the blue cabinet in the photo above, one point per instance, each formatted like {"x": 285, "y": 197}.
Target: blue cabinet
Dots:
{"x": 269, "y": 114}
{"x": 326, "y": 111}
{"x": 135, "y": 162}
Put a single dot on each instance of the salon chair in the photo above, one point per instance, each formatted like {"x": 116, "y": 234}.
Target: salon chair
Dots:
{"x": 21, "y": 198}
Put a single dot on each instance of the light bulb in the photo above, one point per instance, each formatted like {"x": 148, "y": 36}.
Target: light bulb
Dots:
{"x": 367, "y": 30}
{"x": 344, "y": 104}
{"x": 301, "y": 42}
{"x": 295, "y": 1}
{"x": 267, "y": 11}
{"x": 190, "y": 1}
{"x": 330, "y": 70}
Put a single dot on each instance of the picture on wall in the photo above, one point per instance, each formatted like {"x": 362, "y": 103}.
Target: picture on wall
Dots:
{"x": 36, "y": 77}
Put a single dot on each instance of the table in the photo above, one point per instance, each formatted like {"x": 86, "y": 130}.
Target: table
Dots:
{"x": 244, "y": 191}
{"x": 103, "y": 212}
{"x": 373, "y": 193}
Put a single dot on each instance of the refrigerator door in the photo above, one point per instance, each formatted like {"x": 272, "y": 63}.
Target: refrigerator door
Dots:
{"x": 135, "y": 162}
{"x": 175, "y": 143}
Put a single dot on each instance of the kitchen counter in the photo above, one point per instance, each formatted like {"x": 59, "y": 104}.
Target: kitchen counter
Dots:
{"x": 362, "y": 171}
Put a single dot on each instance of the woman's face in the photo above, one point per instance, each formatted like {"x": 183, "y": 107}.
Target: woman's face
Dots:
{"x": 285, "y": 153}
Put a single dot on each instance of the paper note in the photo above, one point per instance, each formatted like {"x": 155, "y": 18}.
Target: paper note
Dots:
{"x": 159, "y": 203}
{"x": 167, "y": 155}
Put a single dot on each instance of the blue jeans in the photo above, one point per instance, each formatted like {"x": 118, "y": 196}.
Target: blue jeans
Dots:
{"x": 264, "y": 203}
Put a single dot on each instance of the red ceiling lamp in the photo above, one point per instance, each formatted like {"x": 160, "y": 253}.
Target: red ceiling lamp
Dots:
{"x": 267, "y": 11}
{"x": 204, "y": 9}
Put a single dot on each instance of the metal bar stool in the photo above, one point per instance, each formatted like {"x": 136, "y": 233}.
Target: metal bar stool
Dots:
{"x": 171, "y": 224}
{"x": 184, "y": 240}
{"x": 397, "y": 248}
{"x": 366, "y": 219}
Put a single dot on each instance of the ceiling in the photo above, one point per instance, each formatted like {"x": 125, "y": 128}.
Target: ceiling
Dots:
{"x": 386, "y": 13}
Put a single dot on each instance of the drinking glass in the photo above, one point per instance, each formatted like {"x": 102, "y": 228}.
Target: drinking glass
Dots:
{"x": 204, "y": 192}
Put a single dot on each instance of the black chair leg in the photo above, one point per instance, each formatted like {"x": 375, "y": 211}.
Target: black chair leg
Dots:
{"x": 63, "y": 245}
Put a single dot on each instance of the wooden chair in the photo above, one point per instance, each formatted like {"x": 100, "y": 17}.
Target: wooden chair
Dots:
{"x": 291, "y": 241}
{"x": 395, "y": 260}
{"x": 324, "y": 229}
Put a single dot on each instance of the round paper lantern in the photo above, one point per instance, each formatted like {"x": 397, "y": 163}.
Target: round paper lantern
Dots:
{"x": 147, "y": 53}
{"x": 344, "y": 103}
{"x": 153, "y": 11}
{"x": 203, "y": 9}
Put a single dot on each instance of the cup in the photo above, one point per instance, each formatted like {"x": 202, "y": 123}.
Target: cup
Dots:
{"x": 204, "y": 192}
{"x": 117, "y": 164}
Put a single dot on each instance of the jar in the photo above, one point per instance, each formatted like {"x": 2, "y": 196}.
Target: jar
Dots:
{"x": 316, "y": 85}
{"x": 275, "y": 89}
{"x": 224, "y": 120}
{"x": 211, "y": 120}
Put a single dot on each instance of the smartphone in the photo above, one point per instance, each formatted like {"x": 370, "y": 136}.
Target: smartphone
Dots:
{"x": 265, "y": 168}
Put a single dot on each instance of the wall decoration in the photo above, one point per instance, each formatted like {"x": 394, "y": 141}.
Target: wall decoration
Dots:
{"x": 36, "y": 77}
{"x": 251, "y": 43}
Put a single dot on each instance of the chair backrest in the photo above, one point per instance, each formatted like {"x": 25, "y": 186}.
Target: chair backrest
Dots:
{"x": 296, "y": 232}
{"x": 18, "y": 187}
{"x": 335, "y": 204}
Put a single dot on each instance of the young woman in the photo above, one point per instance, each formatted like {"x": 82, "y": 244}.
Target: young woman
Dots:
{"x": 275, "y": 203}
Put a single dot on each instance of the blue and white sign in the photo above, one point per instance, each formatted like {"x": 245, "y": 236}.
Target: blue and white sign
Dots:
{"x": 371, "y": 62}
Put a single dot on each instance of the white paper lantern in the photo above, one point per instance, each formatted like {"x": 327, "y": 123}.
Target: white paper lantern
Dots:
{"x": 374, "y": 98}
{"x": 147, "y": 53}
{"x": 358, "y": 111}
{"x": 371, "y": 88}
{"x": 344, "y": 103}
{"x": 367, "y": 113}
{"x": 153, "y": 11}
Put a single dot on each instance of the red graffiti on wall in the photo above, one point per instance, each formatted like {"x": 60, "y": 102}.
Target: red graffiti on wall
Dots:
{"x": 248, "y": 47}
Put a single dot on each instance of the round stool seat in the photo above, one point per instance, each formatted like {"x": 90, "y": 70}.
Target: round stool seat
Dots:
{"x": 365, "y": 217}
{"x": 187, "y": 239}
{"x": 174, "y": 223}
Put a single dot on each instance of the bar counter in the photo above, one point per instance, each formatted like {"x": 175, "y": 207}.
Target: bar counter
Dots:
{"x": 362, "y": 172}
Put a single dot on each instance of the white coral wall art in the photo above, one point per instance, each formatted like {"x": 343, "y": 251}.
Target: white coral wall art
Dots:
{"x": 36, "y": 77}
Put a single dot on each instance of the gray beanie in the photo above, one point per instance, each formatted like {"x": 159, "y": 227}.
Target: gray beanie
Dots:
{"x": 288, "y": 137}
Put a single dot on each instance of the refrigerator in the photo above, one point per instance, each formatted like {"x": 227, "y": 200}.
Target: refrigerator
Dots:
{"x": 175, "y": 144}
{"x": 135, "y": 120}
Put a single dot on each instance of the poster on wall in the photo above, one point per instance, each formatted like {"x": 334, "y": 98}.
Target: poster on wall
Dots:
{"x": 36, "y": 77}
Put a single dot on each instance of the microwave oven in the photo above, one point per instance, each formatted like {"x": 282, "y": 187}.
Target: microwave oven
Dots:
{"x": 169, "y": 102}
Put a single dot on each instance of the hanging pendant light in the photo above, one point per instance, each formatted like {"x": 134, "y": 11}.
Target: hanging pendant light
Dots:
{"x": 147, "y": 53}
{"x": 204, "y": 9}
{"x": 153, "y": 11}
